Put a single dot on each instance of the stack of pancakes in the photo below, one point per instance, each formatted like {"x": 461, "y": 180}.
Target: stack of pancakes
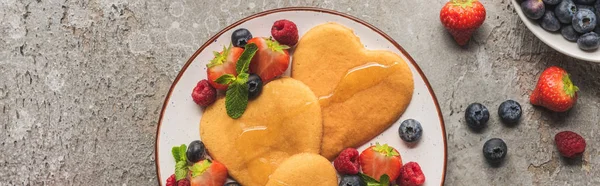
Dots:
{"x": 287, "y": 134}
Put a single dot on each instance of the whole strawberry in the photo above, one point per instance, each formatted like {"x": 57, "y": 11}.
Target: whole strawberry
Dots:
{"x": 554, "y": 90}
{"x": 461, "y": 18}
{"x": 569, "y": 144}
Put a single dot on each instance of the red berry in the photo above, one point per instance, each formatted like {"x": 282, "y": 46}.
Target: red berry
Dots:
{"x": 204, "y": 94}
{"x": 569, "y": 144}
{"x": 411, "y": 175}
{"x": 183, "y": 182}
{"x": 285, "y": 32}
{"x": 347, "y": 162}
{"x": 171, "y": 180}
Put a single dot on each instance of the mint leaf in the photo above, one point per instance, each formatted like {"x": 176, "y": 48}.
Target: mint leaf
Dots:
{"x": 175, "y": 152}
{"x": 236, "y": 98}
{"x": 384, "y": 180}
{"x": 225, "y": 79}
{"x": 181, "y": 170}
{"x": 182, "y": 150}
{"x": 199, "y": 168}
{"x": 243, "y": 62}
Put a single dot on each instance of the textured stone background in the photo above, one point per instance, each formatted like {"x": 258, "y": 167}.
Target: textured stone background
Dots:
{"x": 82, "y": 84}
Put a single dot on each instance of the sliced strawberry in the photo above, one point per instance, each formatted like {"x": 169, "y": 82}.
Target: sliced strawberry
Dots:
{"x": 378, "y": 160}
{"x": 223, "y": 63}
{"x": 207, "y": 173}
{"x": 271, "y": 59}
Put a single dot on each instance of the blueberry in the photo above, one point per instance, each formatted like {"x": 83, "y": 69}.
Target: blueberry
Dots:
{"x": 552, "y": 2}
{"x": 569, "y": 33}
{"x": 352, "y": 180}
{"x": 549, "y": 22}
{"x": 584, "y": 21}
{"x": 477, "y": 116}
{"x": 232, "y": 184}
{"x": 410, "y": 130}
{"x": 240, "y": 37}
{"x": 585, "y": 2}
{"x": 195, "y": 151}
{"x": 565, "y": 11}
{"x": 588, "y": 7}
{"x": 510, "y": 111}
{"x": 255, "y": 85}
{"x": 533, "y": 9}
{"x": 494, "y": 150}
{"x": 589, "y": 41}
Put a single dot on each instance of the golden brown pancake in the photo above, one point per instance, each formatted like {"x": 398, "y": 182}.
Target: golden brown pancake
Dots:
{"x": 284, "y": 120}
{"x": 362, "y": 92}
{"x": 304, "y": 169}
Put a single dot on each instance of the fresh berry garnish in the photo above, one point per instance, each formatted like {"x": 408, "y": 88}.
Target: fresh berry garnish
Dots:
{"x": 411, "y": 175}
{"x": 184, "y": 182}
{"x": 204, "y": 94}
{"x": 207, "y": 173}
{"x": 533, "y": 9}
{"x": 477, "y": 116}
{"x": 554, "y": 90}
{"x": 271, "y": 60}
{"x": 285, "y": 32}
{"x": 232, "y": 184}
{"x": 410, "y": 130}
{"x": 461, "y": 18}
{"x": 223, "y": 63}
{"x": 510, "y": 111}
{"x": 347, "y": 162}
{"x": 569, "y": 144}
{"x": 584, "y": 21}
{"x": 589, "y": 41}
{"x": 240, "y": 37}
{"x": 171, "y": 181}
{"x": 378, "y": 160}
{"x": 494, "y": 150}
{"x": 255, "y": 85}
{"x": 564, "y": 11}
{"x": 549, "y": 22}
{"x": 569, "y": 33}
{"x": 352, "y": 180}
{"x": 195, "y": 151}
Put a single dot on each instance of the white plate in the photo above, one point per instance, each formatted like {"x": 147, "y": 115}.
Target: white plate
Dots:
{"x": 180, "y": 116}
{"x": 555, "y": 39}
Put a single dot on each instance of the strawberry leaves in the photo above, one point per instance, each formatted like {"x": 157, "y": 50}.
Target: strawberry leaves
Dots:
{"x": 199, "y": 168}
{"x": 236, "y": 97}
{"x": 275, "y": 46}
{"x": 220, "y": 57}
{"x": 181, "y": 161}
{"x": 569, "y": 87}
{"x": 386, "y": 150}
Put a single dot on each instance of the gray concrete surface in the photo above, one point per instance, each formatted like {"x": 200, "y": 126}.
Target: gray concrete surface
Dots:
{"x": 82, "y": 84}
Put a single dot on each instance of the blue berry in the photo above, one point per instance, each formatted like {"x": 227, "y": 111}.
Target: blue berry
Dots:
{"x": 533, "y": 9}
{"x": 589, "y": 41}
{"x": 494, "y": 150}
{"x": 240, "y": 37}
{"x": 584, "y": 21}
{"x": 352, "y": 180}
{"x": 477, "y": 116}
{"x": 510, "y": 111}
{"x": 552, "y": 2}
{"x": 255, "y": 85}
{"x": 569, "y": 33}
{"x": 195, "y": 151}
{"x": 564, "y": 11}
{"x": 549, "y": 22}
{"x": 410, "y": 130}
{"x": 585, "y": 2}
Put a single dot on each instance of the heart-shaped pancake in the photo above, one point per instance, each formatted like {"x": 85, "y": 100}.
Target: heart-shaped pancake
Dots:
{"x": 361, "y": 92}
{"x": 304, "y": 169}
{"x": 283, "y": 121}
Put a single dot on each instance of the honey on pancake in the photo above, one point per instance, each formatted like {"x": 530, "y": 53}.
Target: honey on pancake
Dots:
{"x": 357, "y": 79}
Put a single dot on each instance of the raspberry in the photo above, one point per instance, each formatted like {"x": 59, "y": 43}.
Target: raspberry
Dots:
{"x": 347, "y": 162}
{"x": 183, "y": 182}
{"x": 171, "y": 180}
{"x": 569, "y": 144}
{"x": 411, "y": 175}
{"x": 285, "y": 32}
{"x": 204, "y": 94}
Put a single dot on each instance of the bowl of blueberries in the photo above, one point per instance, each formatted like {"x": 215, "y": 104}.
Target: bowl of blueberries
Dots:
{"x": 571, "y": 27}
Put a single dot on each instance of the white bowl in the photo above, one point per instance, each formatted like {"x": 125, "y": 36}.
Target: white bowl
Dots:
{"x": 555, "y": 40}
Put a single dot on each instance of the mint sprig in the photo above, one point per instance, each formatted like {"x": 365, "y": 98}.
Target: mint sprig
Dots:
{"x": 384, "y": 180}
{"x": 181, "y": 168}
{"x": 236, "y": 97}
